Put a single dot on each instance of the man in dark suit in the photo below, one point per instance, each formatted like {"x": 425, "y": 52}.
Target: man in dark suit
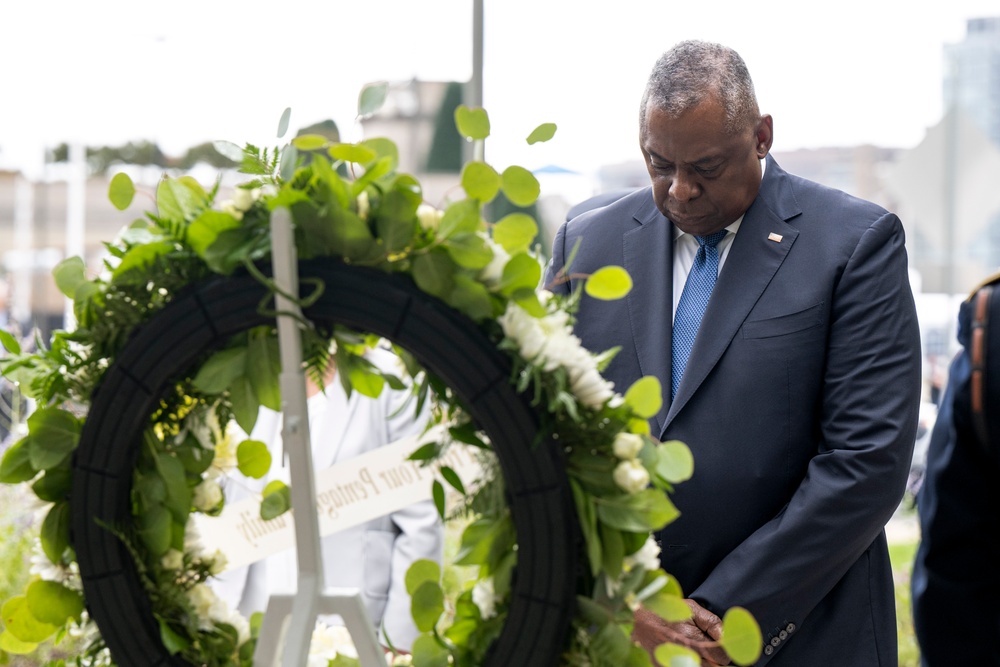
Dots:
{"x": 799, "y": 396}
{"x": 956, "y": 584}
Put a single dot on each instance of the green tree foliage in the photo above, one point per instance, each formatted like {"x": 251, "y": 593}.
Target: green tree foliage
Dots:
{"x": 445, "y": 155}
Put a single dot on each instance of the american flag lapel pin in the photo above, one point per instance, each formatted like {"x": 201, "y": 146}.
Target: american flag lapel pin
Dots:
{"x": 774, "y": 237}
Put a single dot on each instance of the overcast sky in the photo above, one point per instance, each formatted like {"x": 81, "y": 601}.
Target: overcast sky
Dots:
{"x": 183, "y": 72}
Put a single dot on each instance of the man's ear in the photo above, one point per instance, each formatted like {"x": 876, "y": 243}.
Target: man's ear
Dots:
{"x": 765, "y": 135}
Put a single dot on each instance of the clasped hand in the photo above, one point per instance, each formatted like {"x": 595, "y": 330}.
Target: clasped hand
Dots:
{"x": 700, "y": 633}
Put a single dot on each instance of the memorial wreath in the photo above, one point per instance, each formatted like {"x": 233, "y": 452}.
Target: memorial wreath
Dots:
{"x": 348, "y": 204}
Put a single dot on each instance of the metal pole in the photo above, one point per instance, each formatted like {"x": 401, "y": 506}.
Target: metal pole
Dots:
{"x": 76, "y": 187}
{"x": 479, "y": 147}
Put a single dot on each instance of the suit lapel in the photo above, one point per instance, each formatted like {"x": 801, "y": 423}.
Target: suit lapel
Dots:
{"x": 753, "y": 259}
{"x": 647, "y": 250}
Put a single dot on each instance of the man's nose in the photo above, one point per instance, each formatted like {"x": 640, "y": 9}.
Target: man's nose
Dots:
{"x": 683, "y": 187}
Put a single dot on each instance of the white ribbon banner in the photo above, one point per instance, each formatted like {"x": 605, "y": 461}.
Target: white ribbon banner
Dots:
{"x": 357, "y": 490}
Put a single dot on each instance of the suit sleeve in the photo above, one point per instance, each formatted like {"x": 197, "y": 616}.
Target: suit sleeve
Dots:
{"x": 556, "y": 264}
{"x": 854, "y": 482}
{"x": 420, "y": 531}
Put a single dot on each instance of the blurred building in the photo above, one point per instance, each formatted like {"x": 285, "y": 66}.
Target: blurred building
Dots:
{"x": 972, "y": 75}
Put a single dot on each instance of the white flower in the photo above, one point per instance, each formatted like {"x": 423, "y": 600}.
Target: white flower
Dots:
{"x": 628, "y": 445}
{"x": 172, "y": 560}
{"x": 193, "y": 545}
{"x": 219, "y": 562}
{"x": 327, "y": 643}
{"x": 230, "y": 207}
{"x": 485, "y": 598}
{"x": 207, "y": 495}
{"x": 591, "y": 388}
{"x": 243, "y": 199}
{"x": 493, "y": 272}
{"x": 647, "y": 557}
{"x": 363, "y": 205}
{"x": 428, "y": 216}
{"x": 631, "y": 476}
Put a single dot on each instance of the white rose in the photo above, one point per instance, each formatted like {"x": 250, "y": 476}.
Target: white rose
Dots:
{"x": 648, "y": 556}
{"x": 243, "y": 199}
{"x": 628, "y": 445}
{"x": 231, "y": 208}
{"x": 428, "y": 216}
{"x": 485, "y": 598}
{"x": 363, "y": 205}
{"x": 207, "y": 495}
{"x": 172, "y": 560}
{"x": 219, "y": 562}
{"x": 631, "y": 476}
{"x": 493, "y": 272}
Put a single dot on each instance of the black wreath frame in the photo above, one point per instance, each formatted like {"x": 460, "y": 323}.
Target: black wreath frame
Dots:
{"x": 445, "y": 342}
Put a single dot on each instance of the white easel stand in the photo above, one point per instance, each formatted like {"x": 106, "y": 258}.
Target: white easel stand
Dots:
{"x": 289, "y": 620}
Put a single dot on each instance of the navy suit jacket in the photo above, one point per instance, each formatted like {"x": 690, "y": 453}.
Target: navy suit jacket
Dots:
{"x": 956, "y": 584}
{"x": 799, "y": 403}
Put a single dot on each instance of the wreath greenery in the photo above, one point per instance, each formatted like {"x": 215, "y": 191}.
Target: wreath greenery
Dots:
{"x": 347, "y": 201}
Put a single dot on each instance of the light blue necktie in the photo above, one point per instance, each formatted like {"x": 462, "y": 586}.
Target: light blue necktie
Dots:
{"x": 691, "y": 307}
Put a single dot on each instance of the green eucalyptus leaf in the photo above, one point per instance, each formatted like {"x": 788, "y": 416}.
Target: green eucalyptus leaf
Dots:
{"x": 246, "y": 405}
{"x": 121, "y": 191}
{"x": 480, "y": 181}
{"x": 542, "y": 133}
{"x": 522, "y": 271}
{"x": 51, "y": 602}
{"x": 220, "y": 370}
{"x": 515, "y": 232}
{"x": 54, "y": 435}
{"x": 644, "y": 511}
{"x": 434, "y": 272}
{"x": 14, "y": 646}
{"x": 645, "y": 396}
{"x": 366, "y": 382}
{"x": 472, "y": 123}
{"x": 609, "y": 283}
{"x": 421, "y": 571}
{"x": 613, "y": 551}
{"x": 675, "y": 655}
{"x": 286, "y": 116}
{"x": 352, "y": 153}
{"x": 15, "y": 467}
{"x": 154, "y": 528}
{"x": 228, "y": 150}
{"x": 610, "y": 645}
{"x": 371, "y": 98}
{"x": 427, "y": 605}
{"x": 178, "y": 500}
{"x": 172, "y": 640}
{"x": 520, "y": 186}
{"x": 22, "y": 624}
{"x": 310, "y": 142}
{"x": 469, "y": 250}
{"x": 253, "y": 459}
{"x": 396, "y": 232}
{"x": 289, "y": 158}
{"x": 263, "y": 365}
{"x": 675, "y": 463}
{"x": 277, "y": 500}
{"x": 667, "y": 606}
{"x": 69, "y": 274}
{"x": 386, "y": 148}
{"x": 54, "y": 485}
{"x": 741, "y": 636}
{"x": 461, "y": 217}
{"x": 180, "y": 199}
{"x": 527, "y": 299}
{"x": 471, "y": 297}
{"x": 55, "y": 533}
{"x": 427, "y": 652}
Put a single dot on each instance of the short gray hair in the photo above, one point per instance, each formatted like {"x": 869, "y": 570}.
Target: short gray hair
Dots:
{"x": 693, "y": 71}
